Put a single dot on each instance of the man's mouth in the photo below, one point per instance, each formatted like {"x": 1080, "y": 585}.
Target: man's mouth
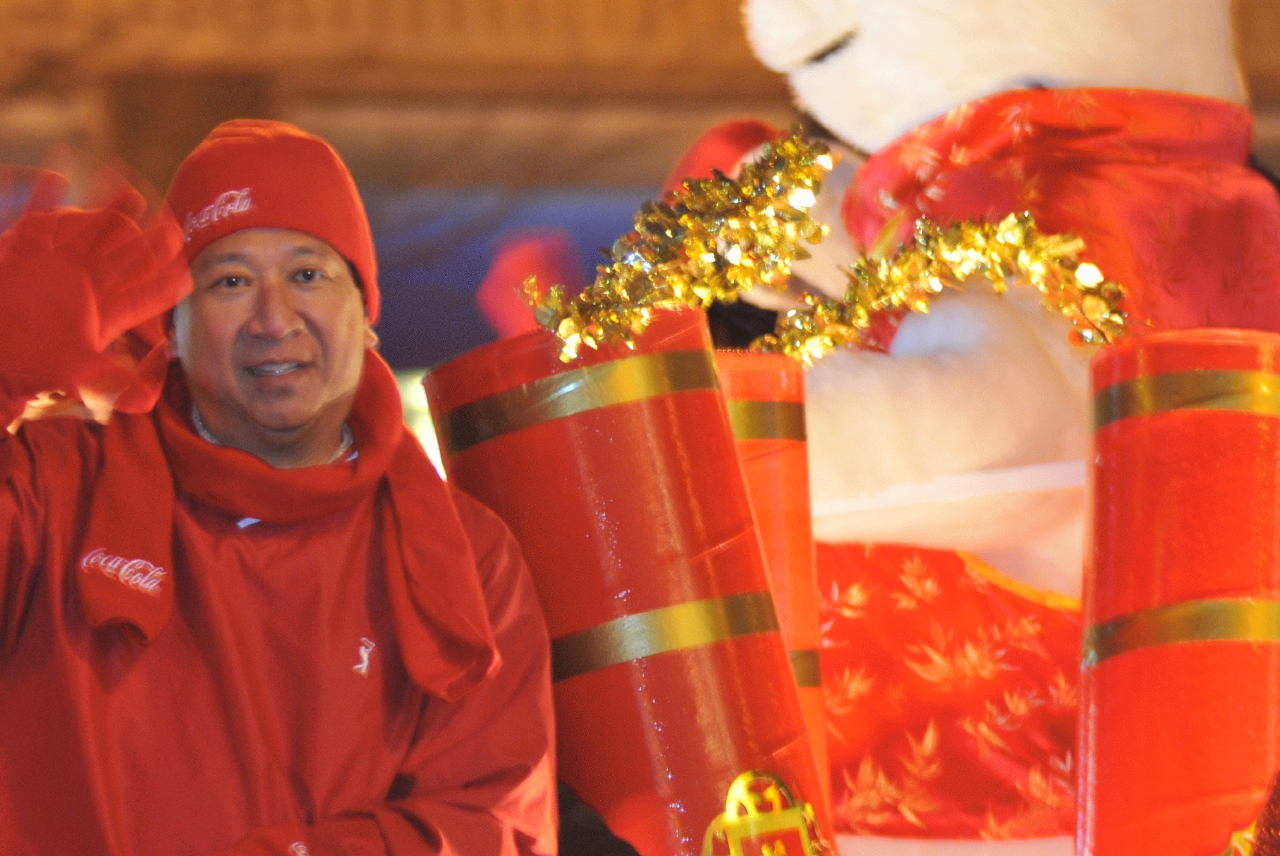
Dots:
{"x": 276, "y": 369}
{"x": 832, "y": 48}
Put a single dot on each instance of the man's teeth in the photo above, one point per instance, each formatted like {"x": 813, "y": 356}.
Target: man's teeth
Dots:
{"x": 273, "y": 369}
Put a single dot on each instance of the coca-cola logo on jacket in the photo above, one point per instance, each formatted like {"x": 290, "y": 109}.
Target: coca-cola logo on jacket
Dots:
{"x": 137, "y": 574}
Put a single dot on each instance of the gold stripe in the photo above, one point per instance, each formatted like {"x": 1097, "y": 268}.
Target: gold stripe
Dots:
{"x": 1238, "y": 620}
{"x": 807, "y": 667}
{"x": 1043, "y": 597}
{"x": 1213, "y": 389}
{"x": 766, "y": 420}
{"x": 668, "y": 628}
{"x": 577, "y": 391}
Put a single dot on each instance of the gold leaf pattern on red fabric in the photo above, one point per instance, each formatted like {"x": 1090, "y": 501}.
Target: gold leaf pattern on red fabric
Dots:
{"x": 1064, "y": 692}
{"x": 922, "y": 762}
{"x": 921, "y": 586}
{"x": 872, "y": 799}
{"x": 850, "y": 602}
{"x": 1078, "y": 104}
{"x": 1018, "y": 120}
{"x": 845, "y": 693}
{"x": 917, "y": 156}
{"x": 958, "y": 117}
{"x": 954, "y": 666}
{"x": 953, "y": 718}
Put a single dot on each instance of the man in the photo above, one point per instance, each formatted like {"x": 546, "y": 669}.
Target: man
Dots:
{"x": 251, "y": 620}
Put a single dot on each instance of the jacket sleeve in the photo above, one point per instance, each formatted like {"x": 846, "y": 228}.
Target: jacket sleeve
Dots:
{"x": 480, "y": 778}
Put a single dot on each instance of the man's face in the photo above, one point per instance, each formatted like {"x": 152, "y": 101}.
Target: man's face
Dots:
{"x": 272, "y": 341}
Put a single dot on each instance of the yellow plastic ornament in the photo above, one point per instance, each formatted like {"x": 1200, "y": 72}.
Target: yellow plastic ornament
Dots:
{"x": 762, "y": 818}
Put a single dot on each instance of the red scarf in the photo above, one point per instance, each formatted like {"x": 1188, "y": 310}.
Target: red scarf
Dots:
{"x": 439, "y": 609}
{"x": 1156, "y": 183}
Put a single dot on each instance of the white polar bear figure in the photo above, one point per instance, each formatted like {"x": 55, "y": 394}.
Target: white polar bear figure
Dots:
{"x": 871, "y": 70}
{"x": 971, "y": 433}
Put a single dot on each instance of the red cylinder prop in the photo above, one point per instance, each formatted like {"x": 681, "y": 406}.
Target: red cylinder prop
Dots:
{"x": 619, "y": 477}
{"x": 1180, "y": 730}
{"x": 765, "y": 397}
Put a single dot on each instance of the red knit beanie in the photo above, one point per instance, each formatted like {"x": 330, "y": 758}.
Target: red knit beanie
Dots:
{"x": 253, "y": 174}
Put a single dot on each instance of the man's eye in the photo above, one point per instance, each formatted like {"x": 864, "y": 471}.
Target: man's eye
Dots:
{"x": 308, "y": 275}
{"x": 230, "y": 282}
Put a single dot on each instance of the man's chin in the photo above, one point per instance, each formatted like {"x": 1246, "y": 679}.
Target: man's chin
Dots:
{"x": 285, "y": 427}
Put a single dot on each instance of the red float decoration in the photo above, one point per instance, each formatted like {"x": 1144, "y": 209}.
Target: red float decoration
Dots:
{"x": 619, "y": 477}
{"x": 765, "y": 397}
{"x": 1180, "y": 731}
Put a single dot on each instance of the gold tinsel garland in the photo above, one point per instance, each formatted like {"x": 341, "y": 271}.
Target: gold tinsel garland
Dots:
{"x": 947, "y": 258}
{"x": 717, "y": 238}
{"x": 714, "y": 240}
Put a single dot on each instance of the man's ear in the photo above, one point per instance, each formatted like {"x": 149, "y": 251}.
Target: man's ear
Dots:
{"x": 171, "y": 329}
{"x": 370, "y": 337}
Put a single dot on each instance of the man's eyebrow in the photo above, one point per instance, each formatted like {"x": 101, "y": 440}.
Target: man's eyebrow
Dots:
{"x": 222, "y": 258}
{"x": 233, "y": 257}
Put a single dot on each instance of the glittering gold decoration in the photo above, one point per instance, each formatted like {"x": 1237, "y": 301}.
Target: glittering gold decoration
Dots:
{"x": 1241, "y": 843}
{"x": 948, "y": 257}
{"x": 1262, "y": 837}
{"x": 714, "y": 239}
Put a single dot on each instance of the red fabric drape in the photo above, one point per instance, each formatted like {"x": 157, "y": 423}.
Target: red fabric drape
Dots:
{"x": 1156, "y": 184}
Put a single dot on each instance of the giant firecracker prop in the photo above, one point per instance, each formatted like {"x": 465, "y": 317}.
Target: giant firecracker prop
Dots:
{"x": 619, "y": 477}
{"x": 1180, "y": 731}
{"x": 765, "y": 397}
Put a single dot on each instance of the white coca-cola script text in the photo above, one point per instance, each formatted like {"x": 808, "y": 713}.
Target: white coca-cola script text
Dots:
{"x": 228, "y": 203}
{"x": 137, "y": 574}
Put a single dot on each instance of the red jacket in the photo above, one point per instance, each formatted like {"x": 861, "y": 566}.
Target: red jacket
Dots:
{"x": 267, "y": 707}
{"x": 273, "y": 714}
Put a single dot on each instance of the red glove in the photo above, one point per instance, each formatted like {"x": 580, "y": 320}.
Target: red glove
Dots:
{"x": 82, "y": 296}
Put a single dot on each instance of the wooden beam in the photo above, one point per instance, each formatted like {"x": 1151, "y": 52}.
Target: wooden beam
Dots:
{"x": 1257, "y": 24}
{"x": 157, "y": 119}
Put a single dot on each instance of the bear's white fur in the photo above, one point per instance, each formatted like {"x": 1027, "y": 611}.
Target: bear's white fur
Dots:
{"x": 893, "y": 64}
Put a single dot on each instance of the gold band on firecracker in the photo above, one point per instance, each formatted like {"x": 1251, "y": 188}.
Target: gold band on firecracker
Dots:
{"x": 1213, "y": 389}
{"x": 616, "y": 382}
{"x": 766, "y": 420}
{"x": 807, "y": 667}
{"x": 668, "y": 628}
{"x": 1216, "y": 620}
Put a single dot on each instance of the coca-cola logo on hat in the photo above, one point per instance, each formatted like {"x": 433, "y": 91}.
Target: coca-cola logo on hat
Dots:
{"x": 228, "y": 204}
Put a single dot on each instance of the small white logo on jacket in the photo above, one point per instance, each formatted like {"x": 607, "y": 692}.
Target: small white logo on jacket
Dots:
{"x": 227, "y": 204}
{"x": 366, "y": 648}
{"x": 137, "y": 574}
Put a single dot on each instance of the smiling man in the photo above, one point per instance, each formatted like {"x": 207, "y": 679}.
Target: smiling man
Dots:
{"x": 251, "y": 620}
{"x": 272, "y": 341}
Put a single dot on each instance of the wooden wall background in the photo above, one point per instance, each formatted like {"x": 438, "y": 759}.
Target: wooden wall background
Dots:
{"x": 451, "y": 92}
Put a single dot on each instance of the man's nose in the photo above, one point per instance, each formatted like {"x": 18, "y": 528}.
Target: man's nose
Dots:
{"x": 276, "y": 311}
